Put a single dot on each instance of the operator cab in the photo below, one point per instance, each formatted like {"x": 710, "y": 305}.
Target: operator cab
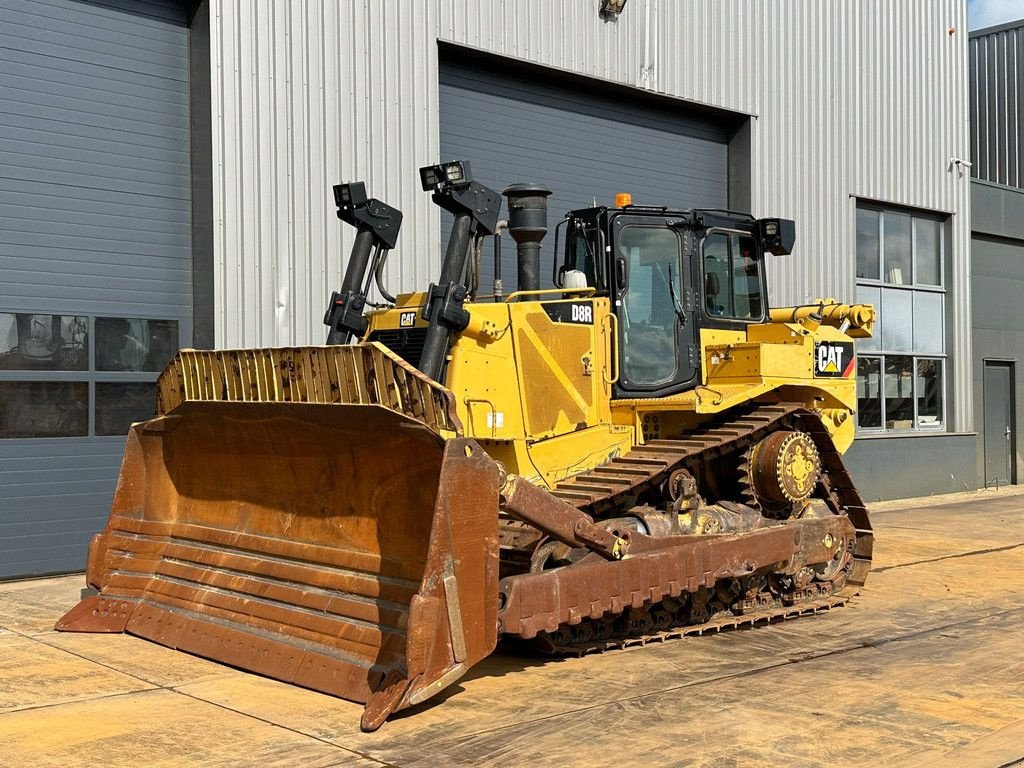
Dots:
{"x": 669, "y": 274}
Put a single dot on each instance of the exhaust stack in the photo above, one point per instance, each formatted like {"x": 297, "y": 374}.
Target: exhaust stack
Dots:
{"x": 528, "y": 223}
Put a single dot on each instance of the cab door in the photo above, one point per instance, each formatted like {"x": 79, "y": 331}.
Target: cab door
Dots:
{"x": 654, "y": 307}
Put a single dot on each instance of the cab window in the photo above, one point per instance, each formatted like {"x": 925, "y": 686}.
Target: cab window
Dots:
{"x": 583, "y": 251}
{"x": 648, "y": 319}
{"x": 732, "y": 277}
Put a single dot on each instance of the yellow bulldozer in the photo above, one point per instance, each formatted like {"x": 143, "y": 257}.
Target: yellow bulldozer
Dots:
{"x": 644, "y": 451}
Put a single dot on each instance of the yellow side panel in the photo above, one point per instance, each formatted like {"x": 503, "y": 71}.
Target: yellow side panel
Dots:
{"x": 559, "y": 457}
{"x": 555, "y": 398}
{"x": 560, "y": 368}
{"x": 484, "y": 379}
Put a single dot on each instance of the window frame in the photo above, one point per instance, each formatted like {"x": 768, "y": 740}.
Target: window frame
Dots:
{"x": 917, "y": 428}
{"x": 759, "y": 257}
{"x": 913, "y": 285}
{"x": 91, "y": 376}
{"x": 623, "y": 300}
{"x": 881, "y": 353}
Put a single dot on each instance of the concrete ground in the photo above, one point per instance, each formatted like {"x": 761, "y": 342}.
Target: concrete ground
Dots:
{"x": 926, "y": 668}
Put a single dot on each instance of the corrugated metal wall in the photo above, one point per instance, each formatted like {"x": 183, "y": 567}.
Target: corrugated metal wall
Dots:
{"x": 851, "y": 99}
{"x": 997, "y": 103}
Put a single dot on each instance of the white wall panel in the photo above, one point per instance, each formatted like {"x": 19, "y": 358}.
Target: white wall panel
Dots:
{"x": 849, "y": 99}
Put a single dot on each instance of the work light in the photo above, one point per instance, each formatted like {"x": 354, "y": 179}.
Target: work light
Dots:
{"x": 445, "y": 176}
{"x": 351, "y": 195}
{"x": 777, "y": 235}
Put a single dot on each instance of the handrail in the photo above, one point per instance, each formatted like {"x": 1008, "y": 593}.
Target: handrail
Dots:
{"x": 612, "y": 360}
{"x": 493, "y": 414}
{"x": 544, "y": 291}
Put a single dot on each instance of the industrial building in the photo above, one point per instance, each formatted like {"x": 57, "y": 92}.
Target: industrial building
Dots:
{"x": 997, "y": 248}
{"x": 166, "y": 172}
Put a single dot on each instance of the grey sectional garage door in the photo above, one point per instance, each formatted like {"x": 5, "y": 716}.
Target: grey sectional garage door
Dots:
{"x": 95, "y": 260}
{"x": 582, "y": 142}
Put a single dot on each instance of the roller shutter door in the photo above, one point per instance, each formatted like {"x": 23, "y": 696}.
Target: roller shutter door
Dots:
{"x": 95, "y": 255}
{"x": 583, "y": 143}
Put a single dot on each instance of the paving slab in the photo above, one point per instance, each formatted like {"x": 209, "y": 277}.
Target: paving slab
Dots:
{"x": 947, "y": 530}
{"x": 13, "y": 638}
{"x": 33, "y": 607}
{"x": 668, "y": 682}
{"x": 152, "y": 663}
{"x": 1000, "y": 748}
{"x": 33, "y": 674}
{"x": 158, "y": 729}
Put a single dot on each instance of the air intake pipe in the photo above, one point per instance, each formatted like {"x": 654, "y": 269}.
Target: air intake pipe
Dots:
{"x": 528, "y": 223}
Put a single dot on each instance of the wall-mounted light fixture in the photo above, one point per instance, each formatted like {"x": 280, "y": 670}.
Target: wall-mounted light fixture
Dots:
{"x": 610, "y": 9}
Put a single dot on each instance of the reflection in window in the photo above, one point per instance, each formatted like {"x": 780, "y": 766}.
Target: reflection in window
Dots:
{"x": 648, "y": 318}
{"x": 43, "y": 342}
{"x": 929, "y": 392}
{"x": 928, "y": 252}
{"x": 869, "y": 392}
{"x": 44, "y": 409}
{"x": 899, "y": 392}
{"x": 909, "y": 252}
{"x": 134, "y": 345}
{"x": 732, "y": 277}
{"x": 119, "y": 405}
{"x": 897, "y": 248}
{"x": 909, "y": 393}
{"x": 46, "y": 345}
{"x": 867, "y": 243}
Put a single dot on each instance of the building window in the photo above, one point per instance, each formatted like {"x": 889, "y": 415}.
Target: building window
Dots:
{"x": 78, "y": 376}
{"x": 901, "y": 271}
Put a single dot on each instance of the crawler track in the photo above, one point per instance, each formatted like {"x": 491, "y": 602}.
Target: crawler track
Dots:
{"x": 615, "y": 487}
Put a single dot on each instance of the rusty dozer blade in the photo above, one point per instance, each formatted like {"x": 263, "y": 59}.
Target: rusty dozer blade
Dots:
{"x": 347, "y": 548}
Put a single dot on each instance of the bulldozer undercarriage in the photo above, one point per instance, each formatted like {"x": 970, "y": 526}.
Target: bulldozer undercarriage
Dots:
{"x": 656, "y": 482}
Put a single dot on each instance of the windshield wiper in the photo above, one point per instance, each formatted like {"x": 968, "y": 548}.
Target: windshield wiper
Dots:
{"x": 675, "y": 301}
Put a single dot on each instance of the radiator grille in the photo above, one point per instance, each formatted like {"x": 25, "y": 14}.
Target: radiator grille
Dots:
{"x": 407, "y": 343}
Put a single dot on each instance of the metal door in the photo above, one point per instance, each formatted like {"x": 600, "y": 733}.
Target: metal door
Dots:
{"x": 999, "y": 437}
{"x": 95, "y": 255}
{"x": 586, "y": 144}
